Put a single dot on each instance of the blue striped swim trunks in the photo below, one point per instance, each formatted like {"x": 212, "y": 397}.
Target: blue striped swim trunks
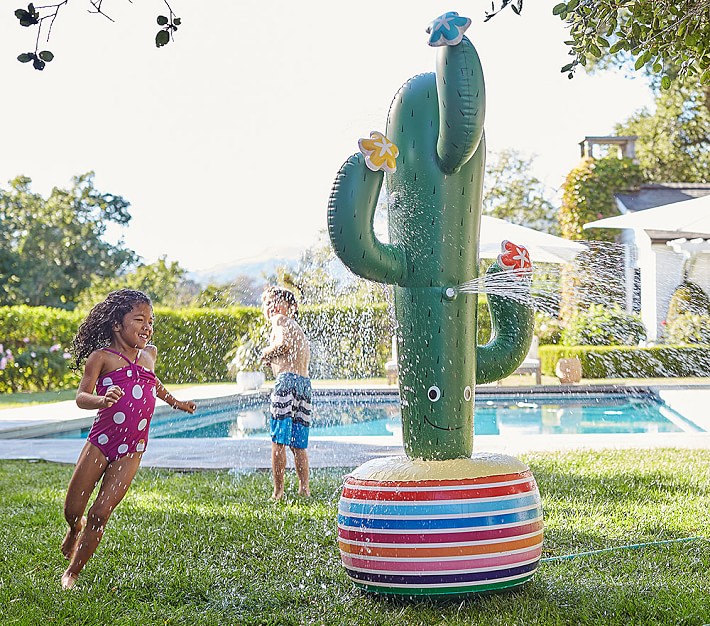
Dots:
{"x": 291, "y": 410}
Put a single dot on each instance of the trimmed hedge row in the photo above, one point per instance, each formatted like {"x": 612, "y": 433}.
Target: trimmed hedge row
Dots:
{"x": 631, "y": 361}
{"x": 347, "y": 341}
{"x": 33, "y": 348}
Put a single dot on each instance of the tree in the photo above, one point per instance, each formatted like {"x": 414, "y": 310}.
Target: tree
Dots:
{"x": 667, "y": 37}
{"x": 588, "y": 195}
{"x": 511, "y": 192}
{"x": 52, "y": 248}
{"x": 163, "y": 282}
{"x": 43, "y": 18}
{"x": 242, "y": 290}
{"x": 673, "y": 140}
{"x": 321, "y": 278}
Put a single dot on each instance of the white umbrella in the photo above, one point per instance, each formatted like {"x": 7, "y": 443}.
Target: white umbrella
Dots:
{"x": 688, "y": 216}
{"x": 543, "y": 247}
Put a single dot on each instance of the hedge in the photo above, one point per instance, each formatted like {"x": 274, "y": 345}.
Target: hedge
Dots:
{"x": 630, "y": 361}
{"x": 347, "y": 341}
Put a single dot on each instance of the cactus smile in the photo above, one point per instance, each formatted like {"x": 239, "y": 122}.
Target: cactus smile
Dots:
{"x": 433, "y": 425}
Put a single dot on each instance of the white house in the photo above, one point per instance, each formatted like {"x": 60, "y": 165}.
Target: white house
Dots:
{"x": 666, "y": 241}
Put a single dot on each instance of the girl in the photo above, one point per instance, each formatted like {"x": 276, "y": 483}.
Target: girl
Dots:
{"x": 120, "y": 363}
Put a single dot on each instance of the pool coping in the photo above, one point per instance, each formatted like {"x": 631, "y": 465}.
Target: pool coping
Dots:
{"x": 28, "y": 428}
{"x": 245, "y": 455}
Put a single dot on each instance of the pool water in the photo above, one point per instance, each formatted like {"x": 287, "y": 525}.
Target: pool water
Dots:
{"x": 379, "y": 416}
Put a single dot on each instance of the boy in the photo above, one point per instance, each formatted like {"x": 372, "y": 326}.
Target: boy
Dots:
{"x": 289, "y": 355}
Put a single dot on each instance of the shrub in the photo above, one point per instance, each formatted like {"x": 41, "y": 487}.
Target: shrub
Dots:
{"x": 688, "y": 298}
{"x": 631, "y": 361}
{"x": 245, "y": 356}
{"x": 548, "y": 329}
{"x": 192, "y": 343}
{"x": 603, "y": 326}
{"x": 688, "y": 328}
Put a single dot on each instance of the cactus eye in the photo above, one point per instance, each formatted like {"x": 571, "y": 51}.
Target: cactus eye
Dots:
{"x": 467, "y": 395}
{"x": 433, "y": 393}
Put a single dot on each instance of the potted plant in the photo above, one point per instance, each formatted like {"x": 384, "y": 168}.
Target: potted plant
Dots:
{"x": 244, "y": 363}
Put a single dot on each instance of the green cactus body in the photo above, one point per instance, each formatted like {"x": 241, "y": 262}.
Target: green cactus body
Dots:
{"x": 436, "y": 120}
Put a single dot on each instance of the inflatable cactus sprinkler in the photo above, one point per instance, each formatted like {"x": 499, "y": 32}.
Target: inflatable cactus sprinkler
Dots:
{"x": 441, "y": 520}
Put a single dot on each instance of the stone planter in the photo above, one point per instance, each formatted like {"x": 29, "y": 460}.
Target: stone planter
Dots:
{"x": 248, "y": 381}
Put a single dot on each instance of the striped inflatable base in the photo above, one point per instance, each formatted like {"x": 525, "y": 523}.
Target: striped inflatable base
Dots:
{"x": 405, "y": 528}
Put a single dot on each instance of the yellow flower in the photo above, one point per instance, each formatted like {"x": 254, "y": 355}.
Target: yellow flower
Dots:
{"x": 379, "y": 152}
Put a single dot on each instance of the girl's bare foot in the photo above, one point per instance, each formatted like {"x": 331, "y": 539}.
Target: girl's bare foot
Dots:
{"x": 304, "y": 493}
{"x": 70, "y": 539}
{"x": 277, "y": 495}
{"x": 68, "y": 580}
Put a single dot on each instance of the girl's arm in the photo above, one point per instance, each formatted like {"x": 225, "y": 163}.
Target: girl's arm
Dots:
{"x": 85, "y": 396}
{"x": 168, "y": 398}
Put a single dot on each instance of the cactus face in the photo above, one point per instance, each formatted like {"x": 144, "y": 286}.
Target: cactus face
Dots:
{"x": 436, "y": 121}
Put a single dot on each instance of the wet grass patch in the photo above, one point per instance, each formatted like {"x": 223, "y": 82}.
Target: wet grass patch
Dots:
{"x": 210, "y": 548}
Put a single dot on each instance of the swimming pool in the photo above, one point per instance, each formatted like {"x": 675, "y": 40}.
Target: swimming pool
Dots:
{"x": 351, "y": 414}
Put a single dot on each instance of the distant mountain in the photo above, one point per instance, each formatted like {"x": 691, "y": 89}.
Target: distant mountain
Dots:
{"x": 256, "y": 266}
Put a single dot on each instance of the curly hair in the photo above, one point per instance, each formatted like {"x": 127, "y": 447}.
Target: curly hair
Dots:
{"x": 96, "y": 331}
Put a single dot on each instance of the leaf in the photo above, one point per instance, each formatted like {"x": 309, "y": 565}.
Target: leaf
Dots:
{"x": 25, "y": 57}
{"x": 177, "y": 21}
{"x": 559, "y": 8}
{"x": 46, "y": 55}
{"x": 705, "y": 77}
{"x": 162, "y": 38}
{"x": 665, "y": 82}
{"x": 657, "y": 67}
{"x": 572, "y": 5}
{"x": 516, "y": 10}
{"x": 639, "y": 63}
{"x": 162, "y": 20}
{"x": 38, "y": 64}
{"x": 26, "y": 19}
{"x": 617, "y": 47}
{"x": 594, "y": 49}
{"x": 567, "y": 67}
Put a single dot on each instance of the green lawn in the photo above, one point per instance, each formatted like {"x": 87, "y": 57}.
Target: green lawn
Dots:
{"x": 209, "y": 548}
{"x": 16, "y": 400}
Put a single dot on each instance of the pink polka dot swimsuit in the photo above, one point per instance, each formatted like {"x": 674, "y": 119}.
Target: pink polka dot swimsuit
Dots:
{"x": 122, "y": 429}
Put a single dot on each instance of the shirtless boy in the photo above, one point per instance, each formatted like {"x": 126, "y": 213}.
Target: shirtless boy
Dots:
{"x": 289, "y": 355}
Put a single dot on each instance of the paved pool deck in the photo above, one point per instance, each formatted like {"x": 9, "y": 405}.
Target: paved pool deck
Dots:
{"x": 689, "y": 400}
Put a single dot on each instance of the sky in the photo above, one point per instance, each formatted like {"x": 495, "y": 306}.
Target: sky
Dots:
{"x": 227, "y": 141}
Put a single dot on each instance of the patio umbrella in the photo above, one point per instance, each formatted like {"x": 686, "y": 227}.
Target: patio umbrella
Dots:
{"x": 543, "y": 247}
{"x": 688, "y": 216}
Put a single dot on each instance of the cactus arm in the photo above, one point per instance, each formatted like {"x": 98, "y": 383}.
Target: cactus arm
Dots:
{"x": 351, "y": 211}
{"x": 461, "y": 92}
{"x": 512, "y": 335}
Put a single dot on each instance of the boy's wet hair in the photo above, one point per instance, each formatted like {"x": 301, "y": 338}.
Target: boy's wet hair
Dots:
{"x": 280, "y": 295}
{"x": 96, "y": 331}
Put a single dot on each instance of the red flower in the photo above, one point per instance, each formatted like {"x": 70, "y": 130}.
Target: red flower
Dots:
{"x": 514, "y": 257}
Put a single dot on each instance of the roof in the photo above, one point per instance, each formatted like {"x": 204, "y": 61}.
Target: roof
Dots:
{"x": 658, "y": 194}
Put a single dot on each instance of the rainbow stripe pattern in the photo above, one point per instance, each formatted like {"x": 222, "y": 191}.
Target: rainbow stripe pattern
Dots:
{"x": 430, "y": 537}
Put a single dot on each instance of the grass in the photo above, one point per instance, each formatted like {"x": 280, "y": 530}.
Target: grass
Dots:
{"x": 209, "y": 548}
{"x": 15, "y": 400}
